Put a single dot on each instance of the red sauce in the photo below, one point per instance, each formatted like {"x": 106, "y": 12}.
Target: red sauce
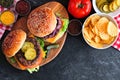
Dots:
{"x": 23, "y": 7}
{"x": 75, "y": 27}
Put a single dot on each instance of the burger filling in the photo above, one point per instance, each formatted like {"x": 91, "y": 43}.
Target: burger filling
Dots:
{"x": 63, "y": 27}
{"x": 29, "y": 53}
{"x": 56, "y": 30}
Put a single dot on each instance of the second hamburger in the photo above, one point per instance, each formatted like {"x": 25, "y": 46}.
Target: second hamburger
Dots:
{"x": 26, "y": 52}
{"x": 43, "y": 23}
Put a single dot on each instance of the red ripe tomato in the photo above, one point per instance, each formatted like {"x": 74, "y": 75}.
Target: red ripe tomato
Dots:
{"x": 79, "y": 8}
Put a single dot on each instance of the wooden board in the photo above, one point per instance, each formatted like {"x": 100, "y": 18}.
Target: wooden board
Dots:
{"x": 57, "y": 9}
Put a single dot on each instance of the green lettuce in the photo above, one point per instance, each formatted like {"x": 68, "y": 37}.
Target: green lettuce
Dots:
{"x": 41, "y": 42}
{"x": 65, "y": 24}
{"x": 12, "y": 60}
{"x": 31, "y": 70}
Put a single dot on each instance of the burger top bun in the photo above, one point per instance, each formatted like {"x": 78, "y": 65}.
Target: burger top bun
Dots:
{"x": 41, "y": 21}
{"x": 13, "y": 42}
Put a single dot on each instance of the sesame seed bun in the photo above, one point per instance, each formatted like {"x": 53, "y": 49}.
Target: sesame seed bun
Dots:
{"x": 13, "y": 42}
{"x": 41, "y": 21}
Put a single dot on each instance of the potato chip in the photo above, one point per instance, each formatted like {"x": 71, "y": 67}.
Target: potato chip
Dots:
{"x": 102, "y": 24}
{"x": 104, "y": 36}
{"x": 109, "y": 41}
{"x": 86, "y": 34}
{"x": 99, "y": 31}
{"x": 96, "y": 45}
{"x": 86, "y": 29}
{"x": 90, "y": 26}
{"x": 91, "y": 34}
{"x": 97, "y": 39}
{"x": 112, "y": 29}
{"x": 88, "y": 21}
{"x": 95, "y": 19}
{"x": 95, "y": 30}
{"x": 87, "y": 38}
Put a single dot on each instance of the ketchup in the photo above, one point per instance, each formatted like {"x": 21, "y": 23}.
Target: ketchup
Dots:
{"x": 23, "y": 7}
{"x": 75, "y": 27}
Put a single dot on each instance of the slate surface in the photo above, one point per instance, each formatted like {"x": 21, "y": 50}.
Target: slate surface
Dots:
{"x": 76, "y": 61}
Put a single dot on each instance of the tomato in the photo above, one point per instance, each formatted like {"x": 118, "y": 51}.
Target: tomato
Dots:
{"x": 79, "y": 8}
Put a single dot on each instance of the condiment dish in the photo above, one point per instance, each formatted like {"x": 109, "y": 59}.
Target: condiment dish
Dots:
{"x": 74, "y": 27}
{"x": 97, "y": 10}
{"x": 7, "y": 17}
{"x": 23, "y": 7}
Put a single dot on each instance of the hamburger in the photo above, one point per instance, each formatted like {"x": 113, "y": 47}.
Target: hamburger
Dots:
{"x": 43, "y": 23}
{"x": 26, "y": 52}
{"x": 24, "y": 48}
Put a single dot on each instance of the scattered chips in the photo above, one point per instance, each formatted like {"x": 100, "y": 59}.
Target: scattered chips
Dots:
{"x": 99, "y": 31}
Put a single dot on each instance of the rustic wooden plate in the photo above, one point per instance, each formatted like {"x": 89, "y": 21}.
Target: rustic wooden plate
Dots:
{"x": 57, "y": 8}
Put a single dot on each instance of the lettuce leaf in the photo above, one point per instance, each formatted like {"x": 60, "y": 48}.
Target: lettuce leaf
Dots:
{"x": 65, "y": 24}
{"x": 36, "y": 69}
{"x": 12, "y": 60}
{"x": 41, "y": 42}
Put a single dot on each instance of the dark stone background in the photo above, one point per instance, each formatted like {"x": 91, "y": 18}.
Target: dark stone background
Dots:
{"x": 76, "y": 61}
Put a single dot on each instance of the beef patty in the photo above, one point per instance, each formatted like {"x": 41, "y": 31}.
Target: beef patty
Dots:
{"x": 20, "y": 55}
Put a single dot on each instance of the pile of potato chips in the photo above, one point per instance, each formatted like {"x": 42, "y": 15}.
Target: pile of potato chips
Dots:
{"x": 99, "y": 31}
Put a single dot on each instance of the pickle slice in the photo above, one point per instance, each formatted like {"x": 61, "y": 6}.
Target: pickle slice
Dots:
{"x": 100, "y": 2}
{"x": 30, "y": 54}
{"x": 118, "y": 2}
{"x": 115, "y": 7}
{"x": 27, "y": 45}
{"x": 111, "y": 7}
{"x": 106, "y": 8}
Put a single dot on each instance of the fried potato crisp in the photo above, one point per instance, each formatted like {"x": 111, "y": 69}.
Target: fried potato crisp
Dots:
{"x": 112, "y": 29}
{"x": 95, "y": 19}
{"x": 99, "y": 31}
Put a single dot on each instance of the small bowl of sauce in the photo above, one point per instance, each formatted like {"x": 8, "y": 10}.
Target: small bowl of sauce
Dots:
{"x": 23, "y": 7}
{"x": 7, "y": 17}
{"x": 74, "y": 27}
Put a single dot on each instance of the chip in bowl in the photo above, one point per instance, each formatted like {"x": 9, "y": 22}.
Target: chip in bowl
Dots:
{"x": 100, "y": 31}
